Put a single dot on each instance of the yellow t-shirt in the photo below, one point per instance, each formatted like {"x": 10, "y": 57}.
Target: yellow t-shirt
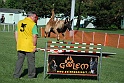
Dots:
{"x": 25, "y": 35}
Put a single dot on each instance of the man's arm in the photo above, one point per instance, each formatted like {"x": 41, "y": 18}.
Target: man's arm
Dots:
{"x": 16, "y": 35}
{"x": 34, "y": 31}
{"x": 34, "y": 39}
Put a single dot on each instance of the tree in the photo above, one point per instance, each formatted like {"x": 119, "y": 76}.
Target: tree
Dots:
{"x": 79, "y": 15}
{"x": 107, "y": 13}
{"x": 10, "y": 3}
{"x": 81, "y": 10}
{"x": 2, "y": 4}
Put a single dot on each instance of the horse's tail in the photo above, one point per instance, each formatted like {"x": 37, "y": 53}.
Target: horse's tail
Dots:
{"x": 53, "y": 14}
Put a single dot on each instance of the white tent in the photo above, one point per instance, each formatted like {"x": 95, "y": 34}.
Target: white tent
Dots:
{"x": 90, "y": 25}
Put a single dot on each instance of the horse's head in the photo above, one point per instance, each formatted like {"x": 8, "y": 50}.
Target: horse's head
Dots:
{"x": 68, "y": 24}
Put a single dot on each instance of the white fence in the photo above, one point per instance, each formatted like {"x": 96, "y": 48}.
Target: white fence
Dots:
{"x": 42, "y": 21}
{"x": 7, "y": 27}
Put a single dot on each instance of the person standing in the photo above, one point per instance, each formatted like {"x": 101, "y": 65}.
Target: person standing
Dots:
{"x": 26, "y": 39}
{"x": 2, "y": 19}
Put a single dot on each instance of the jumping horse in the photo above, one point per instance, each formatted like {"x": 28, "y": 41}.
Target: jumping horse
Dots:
{"x": 57, "y": 26}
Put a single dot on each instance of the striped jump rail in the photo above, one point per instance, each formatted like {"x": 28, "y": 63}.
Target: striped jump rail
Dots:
{"x": 58, "y": 47}
{"x": 61, "y": 42}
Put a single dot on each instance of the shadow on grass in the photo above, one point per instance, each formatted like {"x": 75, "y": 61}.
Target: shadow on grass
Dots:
{"x": 72, "y": 77}
{"x": 38, "y": 70}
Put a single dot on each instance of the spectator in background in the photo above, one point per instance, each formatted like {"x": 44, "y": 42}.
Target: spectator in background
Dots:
{"x": 2, "y": 19}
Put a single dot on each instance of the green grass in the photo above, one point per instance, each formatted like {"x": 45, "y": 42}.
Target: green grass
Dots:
{"x": 103, "y": 31}
{"x": 112, "y": 67}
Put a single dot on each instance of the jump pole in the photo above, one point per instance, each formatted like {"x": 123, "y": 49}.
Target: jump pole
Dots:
{"x": 72, "y": 16}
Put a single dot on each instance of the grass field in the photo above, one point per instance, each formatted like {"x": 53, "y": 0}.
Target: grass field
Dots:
{"x": 112, "y": 67}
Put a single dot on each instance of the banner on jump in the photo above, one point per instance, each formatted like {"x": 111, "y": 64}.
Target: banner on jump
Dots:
{"x": 73, "y": 64}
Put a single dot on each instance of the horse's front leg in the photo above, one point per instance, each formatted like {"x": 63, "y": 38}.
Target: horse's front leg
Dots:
{"x": 63, "y": 34}
{"x": 57, "y": 34}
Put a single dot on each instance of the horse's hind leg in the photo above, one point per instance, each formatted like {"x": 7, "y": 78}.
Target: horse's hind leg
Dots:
{"x": 46, "y": 33}
{"x": 49, "y": 34}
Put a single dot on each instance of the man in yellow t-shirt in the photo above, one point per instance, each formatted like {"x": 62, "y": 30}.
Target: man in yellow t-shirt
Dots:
{"x": 26, "y": 38}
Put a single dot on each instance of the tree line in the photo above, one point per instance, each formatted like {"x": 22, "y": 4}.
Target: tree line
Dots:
{"x": 108, "y": 13}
